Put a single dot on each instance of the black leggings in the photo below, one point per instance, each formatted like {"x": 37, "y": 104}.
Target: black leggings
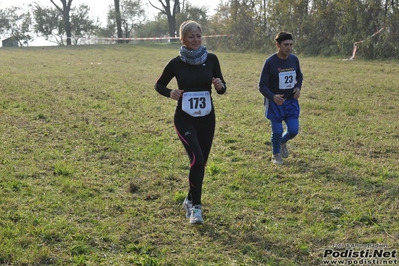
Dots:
{"x": 196, "y": 134}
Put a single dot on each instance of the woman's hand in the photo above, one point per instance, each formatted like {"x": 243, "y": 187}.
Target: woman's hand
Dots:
{"x": 217, "y": 82}
{"x": 176, "y": 94}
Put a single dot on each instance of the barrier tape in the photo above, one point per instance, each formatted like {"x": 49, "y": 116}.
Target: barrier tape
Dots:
{"x": 149, "y": 38}
{"x": 355, "y": 44}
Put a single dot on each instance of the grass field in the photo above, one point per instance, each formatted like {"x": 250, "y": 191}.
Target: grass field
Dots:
{"x": 92, "y": 172}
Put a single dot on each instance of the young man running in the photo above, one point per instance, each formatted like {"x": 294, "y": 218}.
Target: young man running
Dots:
{"x": 280, "y": 83}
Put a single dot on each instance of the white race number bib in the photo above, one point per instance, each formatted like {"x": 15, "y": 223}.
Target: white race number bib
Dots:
{"x": 197, "y": 103}
{"x": 287, "y": 80}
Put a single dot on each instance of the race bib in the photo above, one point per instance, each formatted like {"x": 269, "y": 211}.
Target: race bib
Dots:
{"x": 197, "y": 103}
{"x": 287, "y": 80}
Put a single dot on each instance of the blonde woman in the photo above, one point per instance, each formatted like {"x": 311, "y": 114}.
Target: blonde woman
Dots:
{"x": 195, "y": 71}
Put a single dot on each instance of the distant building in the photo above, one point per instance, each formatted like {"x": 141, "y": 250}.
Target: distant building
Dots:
{"x": 10, "y": 42}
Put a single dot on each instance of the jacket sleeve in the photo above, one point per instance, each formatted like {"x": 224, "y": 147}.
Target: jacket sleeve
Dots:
{"x": 217, "y": 73}
{"x": 264, "y": 82}
{"x": 163, "y": 81}
{"x": 299, "y": 76}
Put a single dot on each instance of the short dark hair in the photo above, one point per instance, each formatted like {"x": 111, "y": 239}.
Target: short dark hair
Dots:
{"x": 282, "y": 36}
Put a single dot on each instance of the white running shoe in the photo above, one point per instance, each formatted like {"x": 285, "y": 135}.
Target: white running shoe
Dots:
{"x": 284, "y": 150}
{"x": 196, "y": 215}
{"x": 188, "y": 205}
{"x": 276, "y": 159}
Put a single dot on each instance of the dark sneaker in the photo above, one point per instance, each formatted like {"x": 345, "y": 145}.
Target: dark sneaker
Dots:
{"x": 276, "y": 159}
{"x": 284, "y": 150}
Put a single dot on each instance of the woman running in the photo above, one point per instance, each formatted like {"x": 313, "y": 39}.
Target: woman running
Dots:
{"x": 195, "y": 71}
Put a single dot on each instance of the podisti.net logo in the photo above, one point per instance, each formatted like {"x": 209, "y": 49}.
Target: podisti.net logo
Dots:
{"x": 379, "y": 256}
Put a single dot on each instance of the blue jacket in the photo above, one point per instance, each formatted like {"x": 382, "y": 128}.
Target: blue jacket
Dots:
{"x": 280, "y": 76}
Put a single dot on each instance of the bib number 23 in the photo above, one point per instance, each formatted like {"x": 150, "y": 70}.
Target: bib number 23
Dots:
{"x": 197, "y": 103}
{"x": 287, "y": 80}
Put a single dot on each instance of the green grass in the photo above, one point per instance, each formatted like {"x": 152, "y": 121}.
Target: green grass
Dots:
{"x": 92, "y": 172}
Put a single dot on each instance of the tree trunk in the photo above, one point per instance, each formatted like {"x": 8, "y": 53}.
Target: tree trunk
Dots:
{"x": 170, "y": 13}
{"x": 118, "y": 19}
{"x": 66, "y": 8}
{"x": 172, "y": 26}
{"x": 67, "y": 22}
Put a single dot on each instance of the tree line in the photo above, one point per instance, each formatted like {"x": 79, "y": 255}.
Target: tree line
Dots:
{"x": 320, "y": 27}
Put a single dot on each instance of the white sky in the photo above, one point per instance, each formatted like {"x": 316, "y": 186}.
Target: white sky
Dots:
{"x": 99, "y": 8}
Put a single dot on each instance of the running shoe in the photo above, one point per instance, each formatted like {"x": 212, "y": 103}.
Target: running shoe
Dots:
{"x": 276, "y": 159}
{"x": 196, "y": 215}
{"x": 188, "y": 205}
{"x": 284, "y": 150}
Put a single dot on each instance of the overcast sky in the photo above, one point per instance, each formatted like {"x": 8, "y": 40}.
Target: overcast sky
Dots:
{"x": 99, "y": 7}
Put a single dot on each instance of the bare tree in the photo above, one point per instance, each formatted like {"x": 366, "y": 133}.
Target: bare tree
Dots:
{"x": 65, "y": 10}
{"x": 170, "y": 12}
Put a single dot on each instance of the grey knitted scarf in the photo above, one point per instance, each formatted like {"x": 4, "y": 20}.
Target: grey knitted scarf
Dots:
{"x": 193, "y": 57}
